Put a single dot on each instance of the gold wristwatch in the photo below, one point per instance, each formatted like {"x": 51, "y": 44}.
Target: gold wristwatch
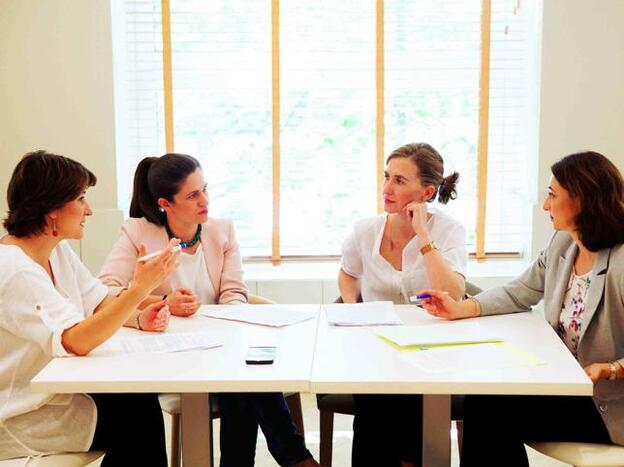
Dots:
{"x": 428, "y": 247}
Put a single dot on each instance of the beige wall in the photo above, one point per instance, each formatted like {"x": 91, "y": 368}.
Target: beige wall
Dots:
{"x": 582, "y": 88}
{"x": 56, "y": 92}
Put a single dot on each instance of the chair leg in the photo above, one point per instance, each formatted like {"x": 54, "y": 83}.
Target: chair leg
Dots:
{"x": 459, "y": 425}
{"x": 175, "y": 440}
{"x": 327, "y": 437}
{"x": 296, "y": 411}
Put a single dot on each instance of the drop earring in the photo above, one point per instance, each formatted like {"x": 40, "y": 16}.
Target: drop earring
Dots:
{"x": 54, "y": 231}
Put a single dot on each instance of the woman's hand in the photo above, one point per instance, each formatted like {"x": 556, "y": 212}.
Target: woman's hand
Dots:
{"x": 417, "y": 214}
{"x": 443, "y": 306}
{"x": 183, "y": 302}
{"x": 154, "y": 317}
{"x": 150, "y": 274}
{"x": 597, "y": 371}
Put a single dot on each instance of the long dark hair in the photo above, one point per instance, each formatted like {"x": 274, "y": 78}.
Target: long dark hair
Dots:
{"x": 431, "y": 167}
{"x": 159, "y": 177}
{"x": 41, "y": 183}
{"x": 597, "y": 183}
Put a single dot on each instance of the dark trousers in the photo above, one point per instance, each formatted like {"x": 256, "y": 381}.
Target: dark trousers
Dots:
{"x": 495, "y": 427}
{"x": 242, "y": 413}
{"x": 387, "y": 429}
{"x": 130, "y": 429}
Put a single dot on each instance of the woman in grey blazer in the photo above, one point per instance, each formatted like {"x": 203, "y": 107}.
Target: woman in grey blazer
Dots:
{"x": 580, "y": 277}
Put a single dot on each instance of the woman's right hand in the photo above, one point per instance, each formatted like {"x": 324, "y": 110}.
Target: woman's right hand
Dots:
{"x": 150, "y": 274}
{"x": 154, "y": 317}
{"x": 443, "y": 306}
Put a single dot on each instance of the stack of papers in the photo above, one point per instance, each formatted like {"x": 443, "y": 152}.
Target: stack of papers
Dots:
{"x": 362, "y": 314}
{"x": 437, "y": 335}
{"x": 265, "y": 315}
{"x": 157, "y": 343}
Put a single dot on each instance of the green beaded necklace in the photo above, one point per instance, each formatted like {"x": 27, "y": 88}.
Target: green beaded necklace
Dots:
{"x": 186, "y": 244}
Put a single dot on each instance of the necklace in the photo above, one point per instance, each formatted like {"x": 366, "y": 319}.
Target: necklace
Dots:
{"x": 194, "y": 240}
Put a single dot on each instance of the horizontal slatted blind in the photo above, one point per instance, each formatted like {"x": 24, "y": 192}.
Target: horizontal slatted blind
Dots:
{"x": 222, "y": 100}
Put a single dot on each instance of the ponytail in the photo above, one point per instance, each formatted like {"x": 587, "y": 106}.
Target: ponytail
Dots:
{"x": 159, "y": 177}
{"x": 143, "y": 203}
{"x": 447, "y": 190}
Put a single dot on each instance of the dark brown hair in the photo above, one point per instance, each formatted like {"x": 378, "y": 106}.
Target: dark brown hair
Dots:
{"x": 597, "y": 183}
{"x": 431, "y": 167}
{"x": 159, "y": 177}
{"x": 41, "y": 183}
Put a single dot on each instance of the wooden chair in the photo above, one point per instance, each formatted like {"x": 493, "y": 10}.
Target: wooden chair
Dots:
{"x": 170, "y": 403}
{"x": 583, "y": 454}
{"x": 67, "y": 459}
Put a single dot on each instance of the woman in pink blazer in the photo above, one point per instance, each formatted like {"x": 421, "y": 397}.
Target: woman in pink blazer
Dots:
{"x": 170, "y": 200}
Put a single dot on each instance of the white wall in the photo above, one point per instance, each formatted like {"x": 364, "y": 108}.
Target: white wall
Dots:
{"x": 582, "y": 88}
{"x": 56, "y": 92}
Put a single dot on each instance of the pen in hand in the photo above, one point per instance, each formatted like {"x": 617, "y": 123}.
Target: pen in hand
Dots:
{"x": 156, "y": 253}
{"x": 418, "y": 298}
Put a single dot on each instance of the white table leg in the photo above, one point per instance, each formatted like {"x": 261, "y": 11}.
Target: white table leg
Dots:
{"x": 196, "y": 430}
{"x": 436, "y": 430}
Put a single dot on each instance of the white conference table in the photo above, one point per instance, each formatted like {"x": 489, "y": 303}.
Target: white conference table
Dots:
{"x": 355, "y": 361}
{"x": 195, "y": 374}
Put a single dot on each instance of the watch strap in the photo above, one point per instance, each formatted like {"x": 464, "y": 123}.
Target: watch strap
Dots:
{"x": 426, "y": 248}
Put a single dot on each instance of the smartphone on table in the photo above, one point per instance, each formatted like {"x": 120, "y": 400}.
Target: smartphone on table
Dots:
{"x": 260, "y": 355}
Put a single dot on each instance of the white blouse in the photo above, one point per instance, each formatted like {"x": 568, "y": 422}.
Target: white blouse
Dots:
{"x": 361, "y": 257}
{"x": 192, "y": 273}
{"x": 33, "y": 315}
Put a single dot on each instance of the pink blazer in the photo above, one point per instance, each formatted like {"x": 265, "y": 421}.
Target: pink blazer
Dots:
{"x": 219, "y": 245}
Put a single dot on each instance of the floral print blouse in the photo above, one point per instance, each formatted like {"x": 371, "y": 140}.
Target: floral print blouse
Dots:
{"x": 572, "y": 308}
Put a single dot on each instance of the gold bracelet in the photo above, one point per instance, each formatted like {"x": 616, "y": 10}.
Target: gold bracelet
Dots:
{"x": 138, "y": 321}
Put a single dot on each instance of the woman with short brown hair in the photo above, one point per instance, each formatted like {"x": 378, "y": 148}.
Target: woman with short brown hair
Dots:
{"x": 51, "y": 306}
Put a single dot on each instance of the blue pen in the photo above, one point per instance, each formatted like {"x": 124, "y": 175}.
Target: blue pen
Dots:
{"x": 418, "y": 298}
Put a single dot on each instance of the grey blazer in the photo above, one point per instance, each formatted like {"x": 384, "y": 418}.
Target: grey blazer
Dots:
{"x": 602, "y": 331}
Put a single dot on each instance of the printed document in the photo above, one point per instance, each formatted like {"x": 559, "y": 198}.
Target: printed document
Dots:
{"x": 157, "y": 343}
{"x": 362, "y": 314}
{"x": 265, "y": 315}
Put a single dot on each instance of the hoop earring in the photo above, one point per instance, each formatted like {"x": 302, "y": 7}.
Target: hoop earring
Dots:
{"x": 54, "y": 231}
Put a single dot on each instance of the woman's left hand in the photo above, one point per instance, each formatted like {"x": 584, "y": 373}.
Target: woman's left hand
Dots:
{"x": 183, "y": 302}
{"x": 417, "y": 213}
{"x": 155, "y": 317}
{"x": 597, "y": 371}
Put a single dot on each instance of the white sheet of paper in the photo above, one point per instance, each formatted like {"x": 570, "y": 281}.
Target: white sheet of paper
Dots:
{"x": 449, "y": 332}
{"x": 265, "y": 315}
{"x": 469, "y": 357}
{"x": 362, "y": 314}
{"x": 157, "y": 343}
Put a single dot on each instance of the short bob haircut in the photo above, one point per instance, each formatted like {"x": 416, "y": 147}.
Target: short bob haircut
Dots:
{"x": 41, "y": 183}
{"x": 597, "y": 183}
